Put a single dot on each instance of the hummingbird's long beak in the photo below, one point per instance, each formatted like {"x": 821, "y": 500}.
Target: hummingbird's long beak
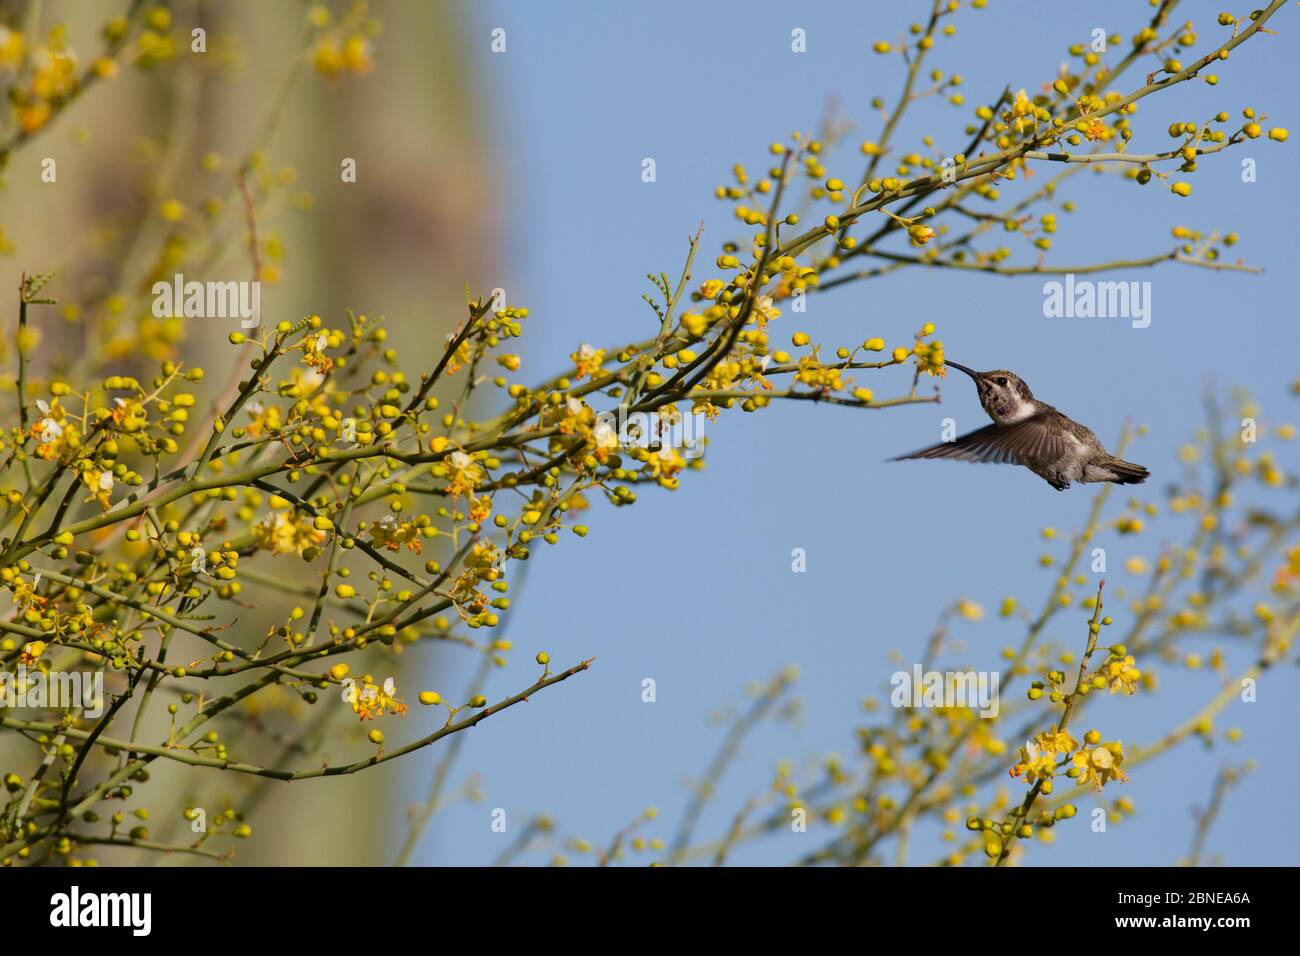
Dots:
{"x": 962, "y": 368}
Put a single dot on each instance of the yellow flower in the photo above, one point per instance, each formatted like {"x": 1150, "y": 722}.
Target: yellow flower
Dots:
{"x": 265, "y": 418}
{"x": 356, "y": 54}
{"x": 571, "y": 418}
{"x": 129, "y": 414}
{"x": 1035, "y": 763}
{"x": 54, "y": 73}
{"x": 694, "y": 323}
{"x": 172, "y": 210}
{"x": 32, "y": 652}
{"x": 929, "y": 359}
{"x": 33, "y": 116}
{"x": 1121, "y": 674}
{"x": 1136, "y": 565}
{"x": 1058, "y": 740}
{"x": 1095, "y": 130}
{"x": 480, "y": 565}
{"x": 764, "y": 311}
{"x": 812, "y": 372}
{"x": 793, "y": 277}
{"x": 391, "y": 533}
{"x": 100, "y": 484}
{"x": 587, "y": 360}
{"x": 11, "y": 49}
{"x": 308, "y": 381}
{"x": 152, "y": 48}
{"x": 1022, "y": 110}
{"x": 50, "y": 427}
{"x": 1102, "y": 764}
{"x": 605, "y": 435}
{"x": 663, "y": 466}
{"x": 1289, "y": 571}
{"x": 479, "y": 509}
{"x": 462, "y": 357}
{"x": 370, "y": 700}
{"x": 313, "y": 349}
{"x": 326, "y": 57}
{"x": 54, "y": 432}
{"x": 464, "y": 473}
{"x": 711, "y": 288}
{"x": 1038, "y": 757}
{"x": 281, "y": 534}
{"x": 920, "y": 234}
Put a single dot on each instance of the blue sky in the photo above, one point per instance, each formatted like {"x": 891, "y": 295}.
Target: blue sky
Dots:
{"x": 694, "y": 588}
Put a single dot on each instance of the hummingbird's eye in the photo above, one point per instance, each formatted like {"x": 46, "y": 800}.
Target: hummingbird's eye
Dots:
{"x": 1001, "y": 381}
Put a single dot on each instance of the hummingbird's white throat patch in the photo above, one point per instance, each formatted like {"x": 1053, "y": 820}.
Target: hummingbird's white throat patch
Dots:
{"x": 1022, "y": 411}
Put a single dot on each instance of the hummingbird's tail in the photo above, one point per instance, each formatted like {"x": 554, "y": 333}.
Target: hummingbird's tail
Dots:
{"x": 1123, "y": 472}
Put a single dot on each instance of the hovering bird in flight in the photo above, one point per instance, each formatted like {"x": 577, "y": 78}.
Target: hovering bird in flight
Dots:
{"x": 1028, "y": 432}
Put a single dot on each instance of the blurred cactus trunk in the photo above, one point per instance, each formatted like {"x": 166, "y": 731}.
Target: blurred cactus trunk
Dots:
{"x": 401, "y": 241}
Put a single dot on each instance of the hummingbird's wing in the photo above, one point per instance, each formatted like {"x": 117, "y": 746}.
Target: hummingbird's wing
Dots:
{"x": 1034, "y": 439}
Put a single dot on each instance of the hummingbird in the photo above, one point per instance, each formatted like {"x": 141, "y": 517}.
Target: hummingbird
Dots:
{"x": 1028, "y": 432}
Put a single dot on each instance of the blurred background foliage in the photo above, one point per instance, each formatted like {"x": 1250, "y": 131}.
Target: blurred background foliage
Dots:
{"x": 174, "y": 127}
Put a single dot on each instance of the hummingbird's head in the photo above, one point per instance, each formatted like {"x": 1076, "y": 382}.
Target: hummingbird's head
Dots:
{"x": 1004, "y": 395}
